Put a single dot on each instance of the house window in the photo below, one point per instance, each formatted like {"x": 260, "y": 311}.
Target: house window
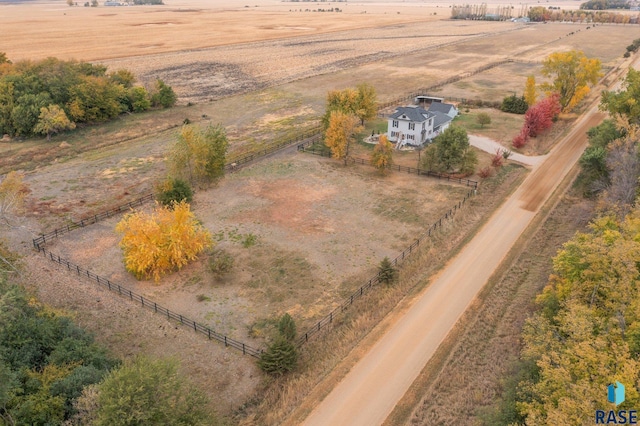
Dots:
{"x": 394, "y": 123}
{"x": 412, "y": 126}
{"x": 393, "y": 134}
{"x": 423, "y": 125}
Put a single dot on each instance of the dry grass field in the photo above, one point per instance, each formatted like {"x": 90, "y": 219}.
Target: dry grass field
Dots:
{"x": 319, "y": 230}
{"x": 263, "y": 72}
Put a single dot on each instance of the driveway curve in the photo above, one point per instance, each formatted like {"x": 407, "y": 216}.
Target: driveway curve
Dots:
{"x": 491, "y": 146}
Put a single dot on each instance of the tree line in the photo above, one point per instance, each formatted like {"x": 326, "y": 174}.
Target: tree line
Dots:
{"x": 585, "y": 333}
{"x": 543, "y": 14}
{"x": 49, "y": 96}
{"x": 605, "y": 4}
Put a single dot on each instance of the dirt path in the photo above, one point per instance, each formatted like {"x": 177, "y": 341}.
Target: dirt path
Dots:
{"x": 491, "y": 146}
{"x": 372, "y": 388}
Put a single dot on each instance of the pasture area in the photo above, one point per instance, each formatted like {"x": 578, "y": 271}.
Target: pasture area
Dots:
{"x": 316, "y": 230}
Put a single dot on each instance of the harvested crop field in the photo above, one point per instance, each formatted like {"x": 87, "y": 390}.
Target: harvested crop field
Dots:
{"x": 304, "y": 232}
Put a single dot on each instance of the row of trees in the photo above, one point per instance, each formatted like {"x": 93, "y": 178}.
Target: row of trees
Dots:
{"x": 542, "y": 14}
{"x": 605, "y": 4}
{"x": 50, "y": 96}
{"x": 611, "y": 162}
{"x": 586, "y": 332}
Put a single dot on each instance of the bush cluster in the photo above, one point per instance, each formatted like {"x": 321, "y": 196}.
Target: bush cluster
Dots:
{"x": 45, "y": 361}
{"x": 514, "y": 104}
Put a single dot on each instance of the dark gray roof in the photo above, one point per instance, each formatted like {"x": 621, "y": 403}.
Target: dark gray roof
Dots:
{"x": 415, "y": 114}
{"x": 440, "y": 119}
{"x": 440, "y": 107}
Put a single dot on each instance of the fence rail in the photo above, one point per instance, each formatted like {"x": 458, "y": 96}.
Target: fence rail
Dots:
{"x": 90, "y": 220}
{"x": 303, "y": 147}
{"x": 368, "y": 286}
{"x": 149, "y": 304}
{"x": 313, "y": 133}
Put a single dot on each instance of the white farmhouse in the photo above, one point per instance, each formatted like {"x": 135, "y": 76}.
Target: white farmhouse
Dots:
{"x": 413, "y": 125}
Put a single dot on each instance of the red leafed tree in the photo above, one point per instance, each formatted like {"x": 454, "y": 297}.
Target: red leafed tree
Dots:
{"x": 521, "y": 139}
{"x": 497, "y": 159}
{"x": 540, "y": 116}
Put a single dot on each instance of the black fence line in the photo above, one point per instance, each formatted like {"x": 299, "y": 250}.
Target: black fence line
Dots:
{"x": 368, "y": 286}
{"x": 412, "y": 170}
{"x": 149, "y": 304}
{"x": 90, "y": 220}
{"x": 313, "y": 133}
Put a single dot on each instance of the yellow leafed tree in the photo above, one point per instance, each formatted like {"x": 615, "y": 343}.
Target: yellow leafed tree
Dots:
{"x": 530, "y": 92}
{"x": 572, "y": 72}
{"x": 166, "y": 240}
{"x": 340, "y": 134}
{"x": 382, "y": 156}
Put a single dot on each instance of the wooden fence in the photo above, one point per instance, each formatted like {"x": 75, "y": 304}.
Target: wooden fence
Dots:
{"x": 304, "y": 147}
{"x": 146, "y": 303}
{"x": 90, "y": 220}
{"x": 368, "y": 286}
{"x": 314, "y": 133}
